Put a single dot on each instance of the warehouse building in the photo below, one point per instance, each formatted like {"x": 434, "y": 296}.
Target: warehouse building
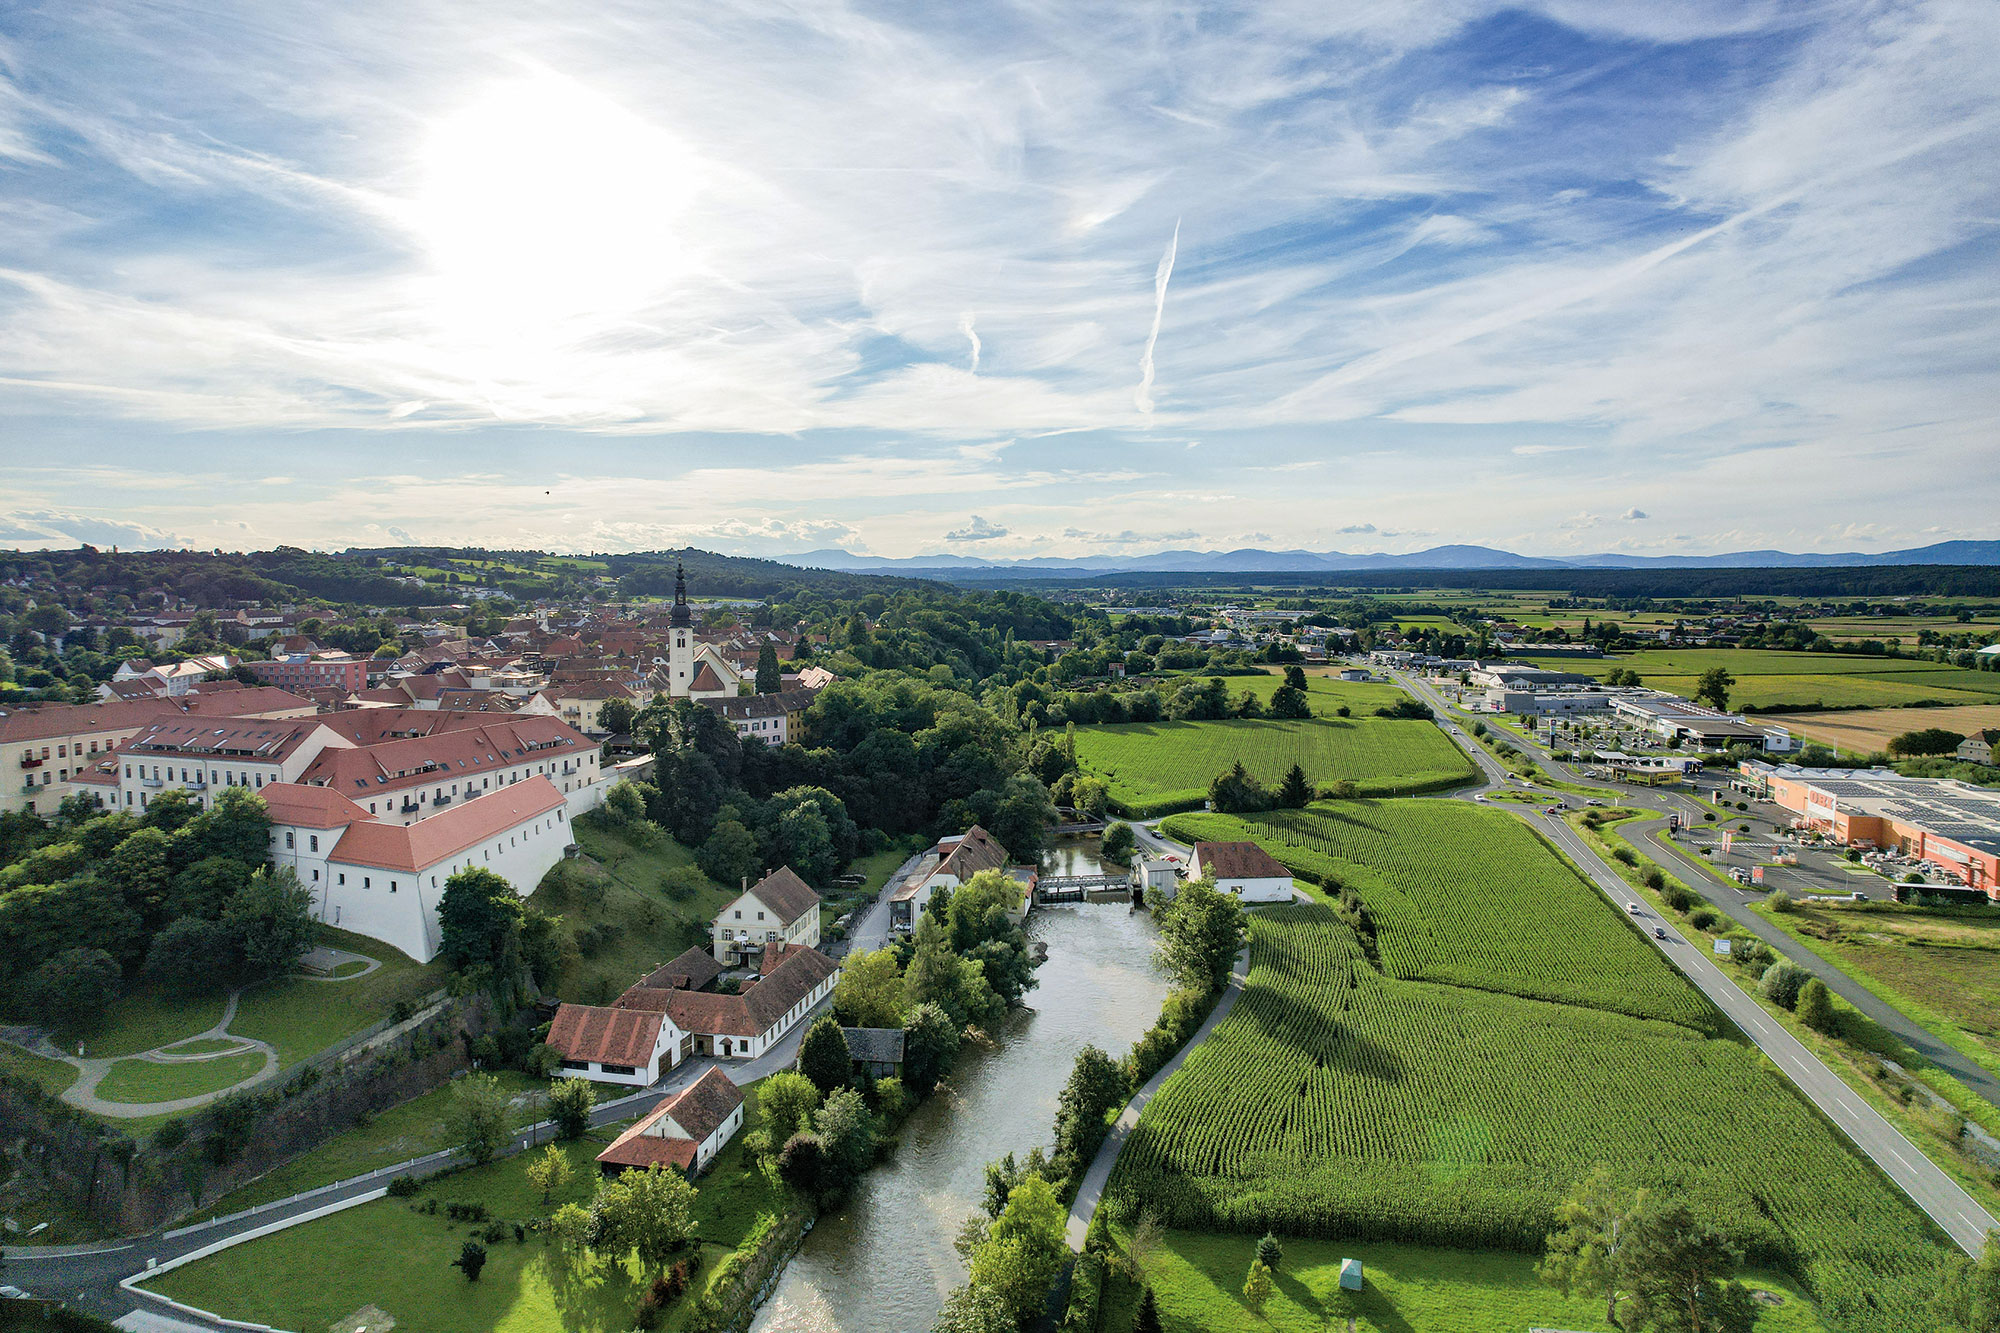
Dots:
{"x": 1953, "y": 825}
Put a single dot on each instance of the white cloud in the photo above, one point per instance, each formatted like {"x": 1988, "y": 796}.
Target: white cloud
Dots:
{"x": 978, "y": 530}
{"x": 1633, "y": 514}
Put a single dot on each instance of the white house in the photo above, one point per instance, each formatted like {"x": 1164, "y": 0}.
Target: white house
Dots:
{"x": 607, "y": 1045}
{"x": 951, "y": 862}
{"x": 685, "y": 1132}
{"x": 384, "y": 880}
{"x": 1243, "y": 869}
{"x": 780, "y": 908}
{"x": 744, "y": 1026}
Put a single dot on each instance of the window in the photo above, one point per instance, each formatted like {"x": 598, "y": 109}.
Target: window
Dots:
{"x": 289, "y": 841}
{"x": 313, "y": 841}
{"x": 367, "y": 882}
{"x": 392, "y": 886}
{"x": 315, "y": 876}
{"x": 343, "y": 877}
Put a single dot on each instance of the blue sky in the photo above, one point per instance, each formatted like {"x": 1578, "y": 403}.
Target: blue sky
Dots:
{"x": 1013, "y": 279}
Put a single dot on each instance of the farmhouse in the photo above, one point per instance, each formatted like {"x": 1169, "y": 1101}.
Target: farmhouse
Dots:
{"x": 748, "y": 1024}
{"x": 1953, "y": 825}
{"x": 685, "y": 1132}
{"x": 1243, "y": 869}
{"x": 780, "y": 908}
{"x": 1978, "y": 747}
{"x": 951, "y": 862}
{"x": 607, "y": 1045}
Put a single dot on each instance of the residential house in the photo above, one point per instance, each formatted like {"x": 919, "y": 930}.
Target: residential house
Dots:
{"x": 685, "y": 1132}
{"x": 1242, "y": 869}
{"x": 1978, "y": 747}
{"x": 623, "y": 1046}
{"x": 770, "y": 718}
{"x": 745, "y": 1025}
{"x": 780, "y": 908}
{"x": 949, "y": 863}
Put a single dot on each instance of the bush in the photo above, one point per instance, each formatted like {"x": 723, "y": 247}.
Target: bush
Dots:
{"x": 1780, "y": 902}
{"x": 1816, "y": 1007}
{"x": 1782, "y": 982}
{"x": 404, "y": 1187}
{"x": 1654, "y": 880}
{"x": 471, "y": 1258}
{"x": 1624, "y": 856}
{"x": 1703, "y": 918}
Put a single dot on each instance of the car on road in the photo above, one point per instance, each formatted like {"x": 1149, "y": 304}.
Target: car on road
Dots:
{"x": 14, "y": 1294}
{"x": 1634, "y": 909}
{"x": 1659, "y": 932}
{"x": 1593, "y": 801}
{"x": 1480, "y": 797}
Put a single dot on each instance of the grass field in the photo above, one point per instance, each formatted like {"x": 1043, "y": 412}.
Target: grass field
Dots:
{"x": 145, "y": 1081}
{"x": 301, "y": 1016}
{"x": 144, "y": 1017}
{"x": 1325, "y": 693}
{"x": 1932, "y": 966}
{"x": 401, "y": 1133}
{"x": 1337, "y": 1102}
{"x": 1465, "y": 896}
{"x": 390, "y": 1255}
{"x": 1156, "y": 767}
{"x": 1868, "y": 730}
{"x": 53, "y": 1076}
{"x": 650, "y": 926}
{"x": 1198, "y": 1282}
{"x": 1767, "y": 678}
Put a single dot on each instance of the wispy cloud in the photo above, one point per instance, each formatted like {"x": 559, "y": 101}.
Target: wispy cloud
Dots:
{"x": 1143, "y": 395}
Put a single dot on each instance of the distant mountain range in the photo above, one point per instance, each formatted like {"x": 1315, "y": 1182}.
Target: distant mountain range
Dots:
{"x": 1252, "y": 560}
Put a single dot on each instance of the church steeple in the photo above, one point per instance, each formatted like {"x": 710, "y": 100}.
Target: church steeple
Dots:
{"x": 682, "y": 613}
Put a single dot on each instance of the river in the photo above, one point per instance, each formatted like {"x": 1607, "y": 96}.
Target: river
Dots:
{"x": 884, "y": 1262}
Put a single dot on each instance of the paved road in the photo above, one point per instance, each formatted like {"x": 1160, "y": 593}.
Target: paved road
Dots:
{"x": 88, "y": 1276}
{"x": 1930, "y": 1188}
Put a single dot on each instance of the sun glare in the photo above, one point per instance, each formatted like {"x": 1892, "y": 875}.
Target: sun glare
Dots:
{"x": 546, "y": 208}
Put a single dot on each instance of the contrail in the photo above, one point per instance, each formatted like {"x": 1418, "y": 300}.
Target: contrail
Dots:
{"x": 965, "y": 327}
{"x": 1143, "y": 395}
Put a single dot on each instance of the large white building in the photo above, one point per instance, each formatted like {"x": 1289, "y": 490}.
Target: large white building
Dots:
{"x": 383, "y": 879}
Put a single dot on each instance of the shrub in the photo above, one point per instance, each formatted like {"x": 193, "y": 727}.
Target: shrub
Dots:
{"x": 1816, "y": 1006}
{"x": 1625, "y": 857}
{"x": 1782, "y": 982}
{"x": 404, "y": 1187}
{"x": 1780, "y": 902}
{"x": 1654, "y": 880}
{"x": 1703, "y": 918}
{"x": 471, "y": 1258}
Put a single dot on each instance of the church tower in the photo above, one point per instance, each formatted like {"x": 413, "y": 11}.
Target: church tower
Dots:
{"x": 680, "y": 629}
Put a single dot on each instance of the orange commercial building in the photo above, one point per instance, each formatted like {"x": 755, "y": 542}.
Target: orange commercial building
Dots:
{"x": 1953, "y": 825}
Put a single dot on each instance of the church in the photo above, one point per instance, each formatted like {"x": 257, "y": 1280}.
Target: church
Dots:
{"x": 693, "y": 669}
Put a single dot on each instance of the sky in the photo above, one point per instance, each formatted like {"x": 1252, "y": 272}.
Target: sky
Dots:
{"x": 1004, "y": 280}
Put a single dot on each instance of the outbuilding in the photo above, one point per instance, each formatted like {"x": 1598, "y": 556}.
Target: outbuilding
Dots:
{"x": 1243, "y": 870}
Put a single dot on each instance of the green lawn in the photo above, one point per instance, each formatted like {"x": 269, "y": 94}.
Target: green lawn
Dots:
{"x": 396, "y": 1135}
{"x": 1156, "y": 767}
{"x": 650, "y": 927}
{"x": 54, "y": 1076}
{"x": 145, "y": 1081}
{"x": 391, "y": 1255}
{"x": 301, "y": 1016}
{"x": 1325, "y": 692}
{"x": 143, "y": 1018}
{"x": 1198, "y": 1282}
{"x": 202, "y": 1046}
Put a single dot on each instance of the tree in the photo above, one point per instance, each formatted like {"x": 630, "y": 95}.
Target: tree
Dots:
{"x": 1295, "y": 676}
{"x": 1201, "y": 931}
{"x": 1583, "y": 1252}
{"x": 869, "y": 993}
{"x": 846, "y": 1132}
{"x": 1096, "y": 1086}
{"x": 192, "y": 956}
{"x": 1290, "y": 702}
{"x": 1118, "y": 844}
{"x": 570, "y": 1103}
{"x": 1238, "y": 792}
{"x": 930, "y": 1044}
{"x": 549, "y": 1171}
{"x": 479, "y": 919}
{"x": 1024, "y": 1250}
{"x": 1782, "y": 982}
{"x": 823, "y": 1056}
{"x": 617, "y": 717}
{"x": 237, "y": 826}
{"x": 974, "y": 1310}
{"x": 1269, "y": 1252}
{"x": 1930, "y": 740}
{"x": 1713, "y": 687}
{"x": 624, "y": 804}
{"x": 1257, "y": 1287}
{"x": 1091, "y": 796}
{"x": 802, "y": 1164}
{"x": 932, "y": 974}
{"x": 471, "y": 1259}
{"x": 730, "y": 855}
{"x": 785, "y": 1103}
{"x": 271, "y": 917}
{"x": 650, "y": 1211}
{"x": 1678, "y": 1270}
{"x": 573, "y": 1227}
{"x": 1147, "y": 1318}
{"x": 1296, "y": 791}
{"x": 1816, "y": 1006}
{"x": 71, "y": 991}
{"x": 477, "y": 1117}
{"x": 770, "y": 679}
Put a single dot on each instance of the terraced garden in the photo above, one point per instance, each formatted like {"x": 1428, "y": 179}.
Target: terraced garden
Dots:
{"x": 1344, "y": 1100}
{"x": 1154, "y": 768}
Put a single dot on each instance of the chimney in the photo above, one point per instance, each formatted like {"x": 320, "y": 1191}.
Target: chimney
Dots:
{"x": 746, "y": 884}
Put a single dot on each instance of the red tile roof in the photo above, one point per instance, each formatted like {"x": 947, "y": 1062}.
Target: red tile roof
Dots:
{"x": 1237, "y": 860}
{"x": 697, "y": 1111}
{"x": 750, "y": 1014}
{"x": 705, "y": 679}
{"x": 439, "y": 837}
{"x": 309, "y": 807}
{"x": 786, "y": 894}
{"x": 607, "y": 1036}
{"x": 445, "y": 754}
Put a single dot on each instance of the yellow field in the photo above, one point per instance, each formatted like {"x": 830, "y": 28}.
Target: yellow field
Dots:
{"x": 1869, "y": 729}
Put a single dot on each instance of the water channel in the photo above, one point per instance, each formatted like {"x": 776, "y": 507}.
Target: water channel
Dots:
{"x": 884, "y": 1262}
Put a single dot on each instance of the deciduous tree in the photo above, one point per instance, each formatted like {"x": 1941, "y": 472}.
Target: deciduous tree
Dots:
{"x": 477, "y": 1117}
{"x": 571, "y": 1101}
{"x": 823, "y": 1056}
{"x": 1201, "y": 931}
{"x": 650, "y": 1211}
{"x": 869, "y": 993}
{"x": 548, "y": 1171}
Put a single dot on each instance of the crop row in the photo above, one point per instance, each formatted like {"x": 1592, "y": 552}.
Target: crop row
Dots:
{"x": 1470, "y": 897}
{"x": 1333, "y": 1101}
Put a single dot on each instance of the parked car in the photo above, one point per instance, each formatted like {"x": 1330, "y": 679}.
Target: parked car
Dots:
{"x": 14, "y": 1294}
